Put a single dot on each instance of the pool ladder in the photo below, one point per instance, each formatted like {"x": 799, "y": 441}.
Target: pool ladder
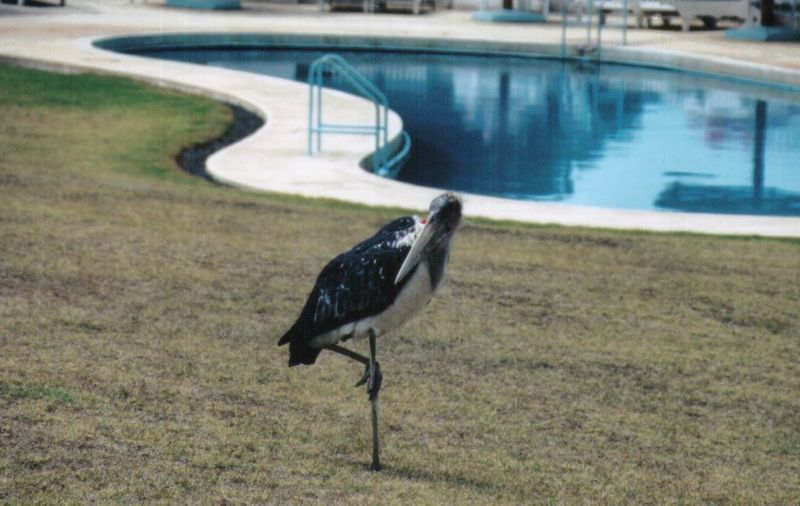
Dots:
{"x": 593, "y": 45}
{"x": 335, "y": 65}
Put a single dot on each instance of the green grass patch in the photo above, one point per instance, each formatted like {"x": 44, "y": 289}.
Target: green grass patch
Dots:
{"x": 36, "y": 392}
{"x": 139, "y": 311}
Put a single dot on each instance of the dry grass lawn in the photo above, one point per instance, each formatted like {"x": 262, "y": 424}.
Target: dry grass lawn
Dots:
{"x": 139, "y": 311}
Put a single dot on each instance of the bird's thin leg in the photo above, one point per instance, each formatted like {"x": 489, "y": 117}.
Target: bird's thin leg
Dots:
{"x": 373, "y": 378}
{"x": 349, "y": 354}
{"x": 373, "y": 388}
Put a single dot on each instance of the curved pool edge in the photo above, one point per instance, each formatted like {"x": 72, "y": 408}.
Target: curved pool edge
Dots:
{"x": 274, "y": 157}
{"x": 665, "y": 59}
{"x": 251, "y": 163}
{"x": 337, "y": 181}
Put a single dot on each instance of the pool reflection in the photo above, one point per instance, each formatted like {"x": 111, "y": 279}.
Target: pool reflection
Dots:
{"x": 753, "y": 199}
{"x": 608, "y": 136}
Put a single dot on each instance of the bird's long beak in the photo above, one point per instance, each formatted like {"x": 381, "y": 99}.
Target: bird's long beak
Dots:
{"x": 429, "y": 236}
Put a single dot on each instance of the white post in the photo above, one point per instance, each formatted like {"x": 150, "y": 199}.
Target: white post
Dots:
{"x": 564, "y": 12}
{"x": 624, "y": 22}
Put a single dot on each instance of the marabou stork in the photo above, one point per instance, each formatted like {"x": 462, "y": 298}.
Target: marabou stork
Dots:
{"x": 373, "y": 289}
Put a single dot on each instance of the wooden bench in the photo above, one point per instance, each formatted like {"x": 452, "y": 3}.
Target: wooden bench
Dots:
{"x": 642, "y": 10}
{"x": 708, "y": 11}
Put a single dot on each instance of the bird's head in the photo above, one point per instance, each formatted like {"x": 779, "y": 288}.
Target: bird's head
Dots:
{"x": 444, "y": 219}
{"x": 445, "y": 213}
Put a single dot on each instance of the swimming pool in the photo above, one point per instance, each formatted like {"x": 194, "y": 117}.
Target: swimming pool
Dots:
{"x": 596, "y": 135}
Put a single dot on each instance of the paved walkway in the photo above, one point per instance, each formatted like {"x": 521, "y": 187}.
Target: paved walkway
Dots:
{"x": 274, "y": 158}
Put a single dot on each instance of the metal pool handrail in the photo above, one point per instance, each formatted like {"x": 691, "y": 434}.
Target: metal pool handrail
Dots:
{"x": 591, "y": 47}
{"x": 335, "y": 64}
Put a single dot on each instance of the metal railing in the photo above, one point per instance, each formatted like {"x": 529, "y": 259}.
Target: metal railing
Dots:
{"x": 594, "y": 9}
{"x": 335, "y": 65}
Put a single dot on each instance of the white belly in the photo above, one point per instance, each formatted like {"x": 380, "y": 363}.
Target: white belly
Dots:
{"x": 416, "y": 293}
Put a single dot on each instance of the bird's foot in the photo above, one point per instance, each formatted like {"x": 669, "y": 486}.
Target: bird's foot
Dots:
{"x": 372, "y": 387}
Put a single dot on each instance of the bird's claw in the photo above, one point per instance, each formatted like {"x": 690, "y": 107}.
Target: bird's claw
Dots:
{"x": 372, "y": 389}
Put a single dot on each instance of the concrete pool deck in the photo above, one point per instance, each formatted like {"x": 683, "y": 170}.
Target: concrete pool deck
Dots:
{"x": 274, "y": 158}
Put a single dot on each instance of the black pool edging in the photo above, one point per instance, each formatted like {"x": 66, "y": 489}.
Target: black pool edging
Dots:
{"x": 193, "y": 159}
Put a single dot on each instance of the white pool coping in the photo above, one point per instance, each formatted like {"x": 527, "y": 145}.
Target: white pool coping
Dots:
{"x": 274, "y": 158}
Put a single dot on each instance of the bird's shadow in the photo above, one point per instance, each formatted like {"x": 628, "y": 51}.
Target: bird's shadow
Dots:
{"x": 420, "y": 475}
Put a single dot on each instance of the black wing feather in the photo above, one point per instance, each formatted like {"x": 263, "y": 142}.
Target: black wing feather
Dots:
{"x": 354, "y": 285}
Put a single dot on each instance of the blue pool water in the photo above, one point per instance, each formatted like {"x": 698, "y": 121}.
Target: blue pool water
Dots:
{"x": 596, "y": 135}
